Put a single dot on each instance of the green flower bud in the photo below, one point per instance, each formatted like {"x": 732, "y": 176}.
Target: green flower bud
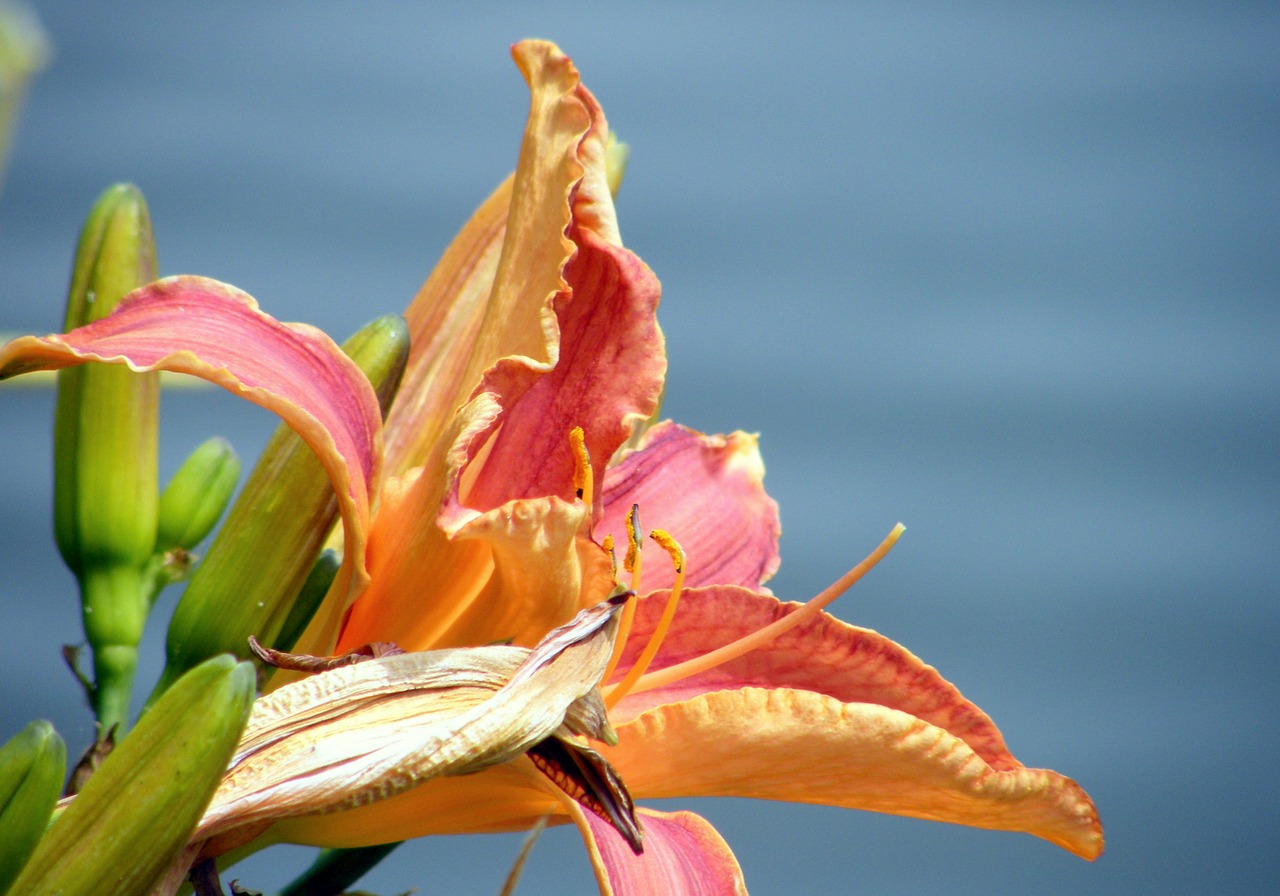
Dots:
{"x": 309, "y": 597}
{"x": 137, "y": 812}
{"x": 105, "y": 452}
{"x": 195, "y": 497}
{"x": 32, "y": 766}
{"x": 250, "y": 577}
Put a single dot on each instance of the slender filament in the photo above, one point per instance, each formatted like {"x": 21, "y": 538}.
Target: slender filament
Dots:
{"x": 672, "y": 547}
{"x": 762, "y": 636}
{"x": 631, "y": 563}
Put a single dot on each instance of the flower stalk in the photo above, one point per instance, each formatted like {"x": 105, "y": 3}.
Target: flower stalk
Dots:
{"x": 105, "y": 455}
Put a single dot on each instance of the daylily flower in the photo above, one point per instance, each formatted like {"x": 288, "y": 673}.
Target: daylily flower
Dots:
{"x": 489, "y": 527}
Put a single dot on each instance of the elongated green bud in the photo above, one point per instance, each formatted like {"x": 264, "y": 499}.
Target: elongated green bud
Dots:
{"x": 32, "y": 766}
{"x": 309, "y": 597}
{"x": 196, "y": 496}
{"x": 135, "y": 815}
{"x": 250, "y": 577}
{"x": 105, "y": 452}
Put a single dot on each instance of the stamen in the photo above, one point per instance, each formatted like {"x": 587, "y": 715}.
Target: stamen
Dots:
{"x": 759, "y": 638}
{"x": 607, "y": 546}
{"x": 631, "y": 563}
{"x": 672, "y": 547}
{"x": 583, "y": 476}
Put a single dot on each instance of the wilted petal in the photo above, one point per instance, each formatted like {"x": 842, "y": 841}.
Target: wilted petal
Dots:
{"x": 213, "y": 331}
{"x": 683, "y": 856}
{"x": 363, "y": 733}
{"x": 708, "y": 492}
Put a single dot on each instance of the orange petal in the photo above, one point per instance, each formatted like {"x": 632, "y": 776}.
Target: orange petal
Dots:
{"x": 708, "y": 492}
{"x": 422, "y": 579}
{"x": 824, "y": 655}
{"x": 793, "y": 745}
{"x": 544, "y": 571}
{"x": 213, "y": 331}
{"x": 506, "y": 798}
{"x": 683, "y": 856}
{"x": 444, "y": 322}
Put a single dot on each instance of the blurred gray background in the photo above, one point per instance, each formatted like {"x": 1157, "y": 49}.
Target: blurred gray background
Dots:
{"x": 1004, "y": 272}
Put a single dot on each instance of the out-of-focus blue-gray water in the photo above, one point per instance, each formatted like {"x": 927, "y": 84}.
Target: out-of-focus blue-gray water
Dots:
{"x": 1007, "y": 273}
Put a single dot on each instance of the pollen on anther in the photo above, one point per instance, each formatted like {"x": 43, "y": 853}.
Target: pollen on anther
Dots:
{"x": 583, "y": 477}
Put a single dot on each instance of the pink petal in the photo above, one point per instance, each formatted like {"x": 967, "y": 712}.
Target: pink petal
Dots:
{"x": 824, "y": 655}
{"x": 683, "y": 856}
{"x": 608, "y": 375}
{"x": 600, "y": 361}
{"x": 708, "y": 492}
{"x": 213, "y": 331}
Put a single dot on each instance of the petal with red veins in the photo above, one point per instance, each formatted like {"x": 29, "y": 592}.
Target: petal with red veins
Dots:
{"x": 708, "y": 492}
{"x": 823, "y": 654}
{"x": 213, "y": 331}
{"x": 683, "y": 856}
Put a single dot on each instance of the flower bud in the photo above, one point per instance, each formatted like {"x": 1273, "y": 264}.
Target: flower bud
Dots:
{"x": 105, "y": 452}
{"x": 135, "y": 815}
{"x": 195, "y": 497}
{"x": 32, "y": 766}
{"x": 251, "y": 575}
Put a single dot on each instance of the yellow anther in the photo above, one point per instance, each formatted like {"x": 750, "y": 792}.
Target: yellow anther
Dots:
{"x": 583, "y": 477}
{"x": 607, "y": 546}
{"x": 672, "y": 547}
{"x": 763, "y": 636}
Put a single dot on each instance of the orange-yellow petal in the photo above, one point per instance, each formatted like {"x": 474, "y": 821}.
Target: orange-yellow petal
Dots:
{"x": 799, "y": 746}
{"x": 444, "y": 322}
{"x": 708, "y": 492}
{"x": 683, "y": 856}
{"x": 506, "y": 798}
{"x": 213, "y": 331}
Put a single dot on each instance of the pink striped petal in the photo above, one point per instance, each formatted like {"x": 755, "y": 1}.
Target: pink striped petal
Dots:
{"x": 824, "y": 655}
{"x": 708, "y": 492}
{"x": 213, "y": 331}
{"x": 601, "y": 360}
{"x": 683, "y": 856}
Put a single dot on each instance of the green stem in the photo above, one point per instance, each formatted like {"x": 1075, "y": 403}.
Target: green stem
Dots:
{"x": 114, "y": 600}
{"x": 336, "y": 869}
